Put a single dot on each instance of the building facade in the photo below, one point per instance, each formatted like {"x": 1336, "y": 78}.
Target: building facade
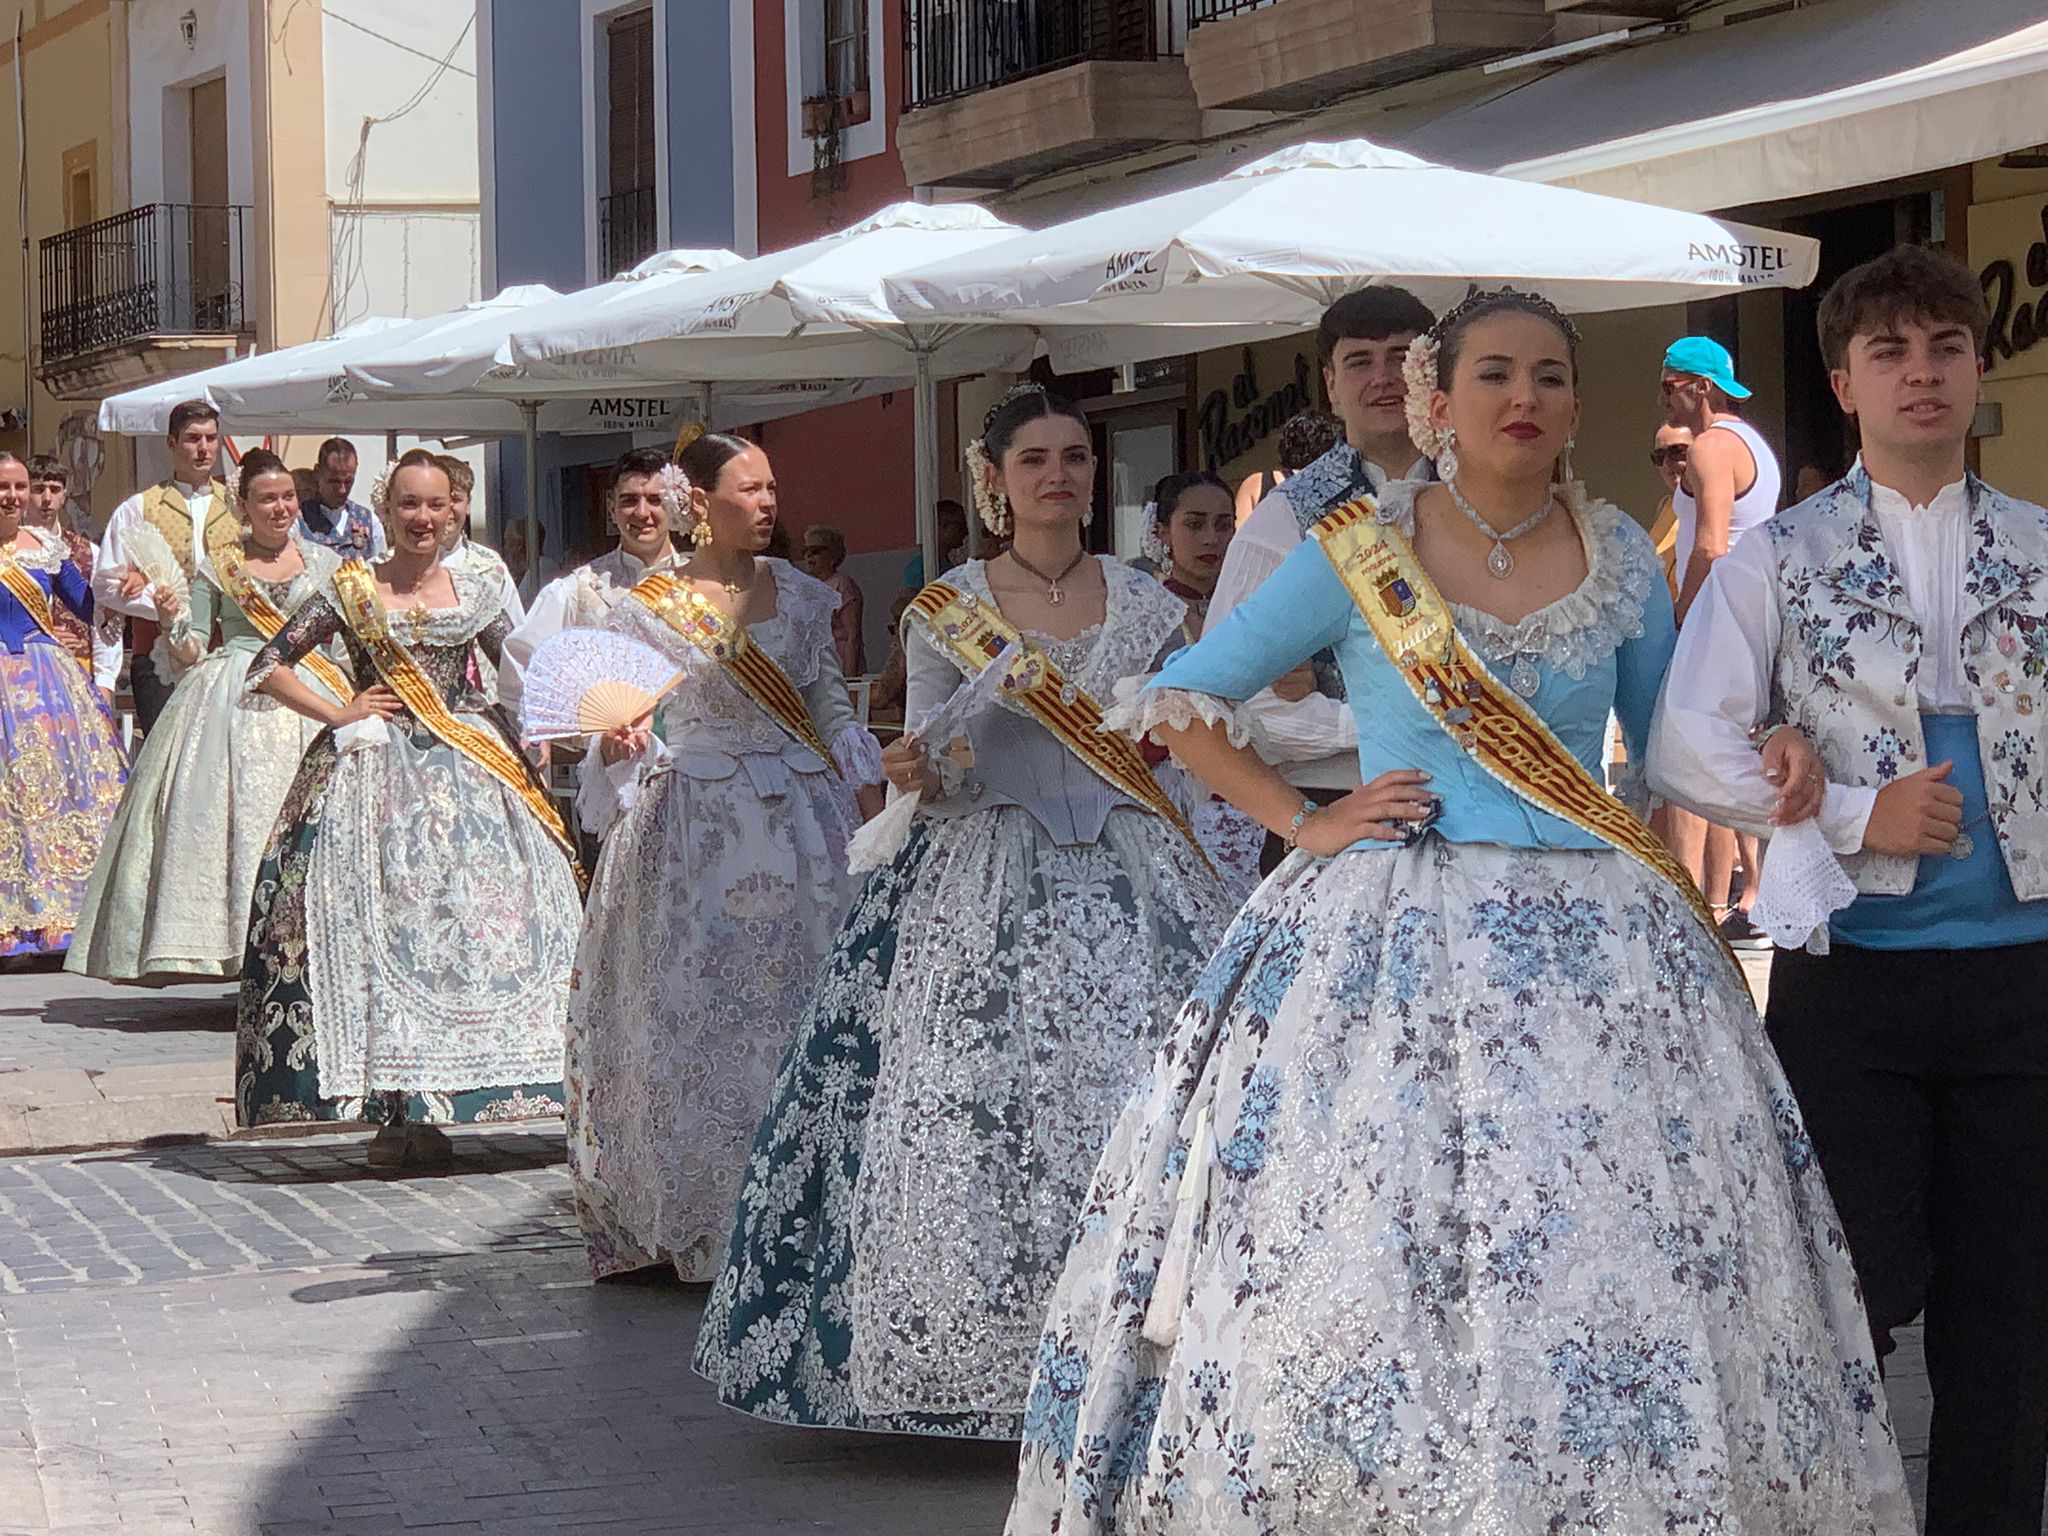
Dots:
{"x": 225, "y": 175}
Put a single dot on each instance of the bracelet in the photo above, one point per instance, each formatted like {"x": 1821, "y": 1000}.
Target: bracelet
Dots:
{"x": 1308, "y": 809}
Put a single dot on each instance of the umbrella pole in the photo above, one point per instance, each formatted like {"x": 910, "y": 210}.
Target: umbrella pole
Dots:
{"x": 529, "y": 419}
{"x": 925, "y": 426}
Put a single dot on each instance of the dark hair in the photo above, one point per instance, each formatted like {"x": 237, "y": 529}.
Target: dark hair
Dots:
{"x": 341, "y": 446}
{"x": 830, "y": 539}
{"x": 259, "y": 461}
{"x": 705, "y": 459}
{"x": 1167, "y": 494}
{"x": 1306, "y": 436}
{"x": 1024, "y": 404}
{"x": 461, "y": 478}
{"x": 412, "y": 458}
{"x": 1450, "y": 331}
{"x": 638, "y": 461}
{"x": 47, "y": 466}
{"x": 185, "y": 412}
{"x": 1371, "y": 314}
{"x": 1908, "y": 282}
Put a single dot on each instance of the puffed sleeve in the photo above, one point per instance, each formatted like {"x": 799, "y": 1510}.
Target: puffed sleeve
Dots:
{"x": 854, "y": 751}
{"x": 70, "y": 586}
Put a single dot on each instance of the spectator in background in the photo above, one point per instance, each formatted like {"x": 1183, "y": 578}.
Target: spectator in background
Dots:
{"x": 1808, "y": 483}
{"x": 331, "y": 518}
{"x": 1304, "y": 437}
{"x": 952, "y": 521}
{"x": 1668, "y": 454}
{"x": 824, "y": 555}
{"x": 885, "y": 704}
{"x": 97, "y": 646}
{"x": 307, "y": 484}
{"x": 459, "y": 551}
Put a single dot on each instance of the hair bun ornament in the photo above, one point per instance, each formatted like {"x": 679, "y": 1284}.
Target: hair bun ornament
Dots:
{"x": 1015, "y": 392}
{"x": 990, "y": 504}
{"x": 1419, "y": 374}
{"x": 692, "y": 430}
{"x": 1152, "y": 538}
{"x": 675, "y": 496}
{"x": 380, "y": 491}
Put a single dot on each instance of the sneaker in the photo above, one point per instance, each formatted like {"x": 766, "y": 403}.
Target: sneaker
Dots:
{"x": 1741, "y": 933}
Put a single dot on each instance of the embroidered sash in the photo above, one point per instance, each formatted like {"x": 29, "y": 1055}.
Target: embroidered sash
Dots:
{"x": 1413, "y": 625}
{"x": 974, "y": 633}
{"x": 693, "y": 617}
{"x": 29, "y": 593}
{"x": 236, "y": 581}
{"x": 362, "y": 609}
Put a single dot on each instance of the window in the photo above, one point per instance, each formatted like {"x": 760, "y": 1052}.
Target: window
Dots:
{"x": 627, "y": 215}
{"x": 846, "y": 58}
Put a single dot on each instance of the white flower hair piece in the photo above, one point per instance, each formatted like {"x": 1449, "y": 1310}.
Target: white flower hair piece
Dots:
{"x": 380, "y": 492}
{"x": 1152, "y": 538}
{"x": 1419, "y": 373}
{"x": 989, "y": 503}
{"x": 675, "y": 496}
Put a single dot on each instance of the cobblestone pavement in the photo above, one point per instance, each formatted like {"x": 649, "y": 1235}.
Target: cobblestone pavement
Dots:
{"x": 265, "y": 1339}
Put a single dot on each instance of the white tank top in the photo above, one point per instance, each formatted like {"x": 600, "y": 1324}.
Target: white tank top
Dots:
{"x": 1756, "y": 505}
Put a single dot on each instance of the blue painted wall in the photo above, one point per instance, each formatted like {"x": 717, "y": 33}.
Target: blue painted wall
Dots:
{"x": 700, "y": 148}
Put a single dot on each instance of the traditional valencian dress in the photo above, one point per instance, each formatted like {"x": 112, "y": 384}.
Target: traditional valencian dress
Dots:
{"x": 1466, "y": 1195}
{"x": 415, "y": 916}
{"x": 170, "y": 891}
{"x": 61, "y": 766}
{"x": 721, "y": 888}
{"x": 993, "y": 997}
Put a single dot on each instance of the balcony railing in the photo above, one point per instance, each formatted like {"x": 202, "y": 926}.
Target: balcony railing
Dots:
{"x": 955, "y": 47}
{"x": 1200, "y": 11}
{"x": 165, "y": 269}
{"x": 626, "y": 228}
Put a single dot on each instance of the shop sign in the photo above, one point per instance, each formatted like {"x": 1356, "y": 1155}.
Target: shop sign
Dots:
{"x": 623, "y": 413}
{"x": 1237, "y": 416}
{"x": 2015, "y": 233}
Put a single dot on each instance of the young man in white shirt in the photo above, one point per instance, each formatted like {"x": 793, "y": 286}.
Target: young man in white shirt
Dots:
{"x": 1899, "y": 619}
{"x": 1362, "y": 341}
{"x": 192, "y": 510}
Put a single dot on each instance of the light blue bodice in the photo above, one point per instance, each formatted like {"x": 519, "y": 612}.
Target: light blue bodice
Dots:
{"x": 1598, "y": 650}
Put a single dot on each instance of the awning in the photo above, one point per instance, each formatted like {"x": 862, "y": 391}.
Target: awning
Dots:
{"x": 1838, "y": 94}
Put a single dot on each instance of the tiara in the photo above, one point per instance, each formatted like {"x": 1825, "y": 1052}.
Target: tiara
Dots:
{"x": 1420, "y": 368}
{"x": 1011, "y": 395}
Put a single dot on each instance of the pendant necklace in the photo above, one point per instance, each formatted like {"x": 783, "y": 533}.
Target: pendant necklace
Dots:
{"x": 1053, "y": 594}
{"x": 1499, "y": 563}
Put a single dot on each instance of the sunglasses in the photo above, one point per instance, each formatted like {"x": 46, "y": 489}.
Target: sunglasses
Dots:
{"x": 1672, "y": 454}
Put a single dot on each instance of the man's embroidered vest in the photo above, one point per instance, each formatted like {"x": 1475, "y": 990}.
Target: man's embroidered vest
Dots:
{"x": 165, "y": 509}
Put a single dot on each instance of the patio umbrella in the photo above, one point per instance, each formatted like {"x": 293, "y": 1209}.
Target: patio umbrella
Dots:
{"x": 1275, "y": 241}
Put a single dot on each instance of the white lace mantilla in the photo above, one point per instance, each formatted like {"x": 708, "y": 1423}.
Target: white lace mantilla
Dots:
{"x": 479, "y": 598}
{"x": 1586, "y": 625}
{"x": 50, "y": 553}
{"x": 1139, "y": 617}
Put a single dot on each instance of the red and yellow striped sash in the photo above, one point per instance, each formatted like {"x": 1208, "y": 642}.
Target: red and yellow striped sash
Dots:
{"x": 1413, "y": 625}
{"x": 726, "y": 642}
{"x": 974, "y": 634}
{"x": 236, "y": 581}
{"x": 362, "y": 608}
{"x": 29, "y": 593}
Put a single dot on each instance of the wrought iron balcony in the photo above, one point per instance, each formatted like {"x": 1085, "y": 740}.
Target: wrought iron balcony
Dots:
{"x": 955, "y": 47}
{"x": 626, "y": 231}
{"x": 162, "y": 270}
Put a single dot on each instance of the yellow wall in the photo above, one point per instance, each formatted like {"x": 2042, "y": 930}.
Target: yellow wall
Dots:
{"x": 2006, "y": 220}
{"x": 1243, "y": 396}
{"x": 68, "y": 71}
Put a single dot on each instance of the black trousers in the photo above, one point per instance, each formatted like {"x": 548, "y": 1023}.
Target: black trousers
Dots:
{"x": 1276, "y": 847}
{"x": 1923, "y": 1076}
{"x": 151, "y": 692}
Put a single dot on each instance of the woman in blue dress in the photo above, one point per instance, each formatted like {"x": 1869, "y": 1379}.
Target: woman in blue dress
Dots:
{"x": 1467, "y": 1195}
{"x": 61, "y": 765}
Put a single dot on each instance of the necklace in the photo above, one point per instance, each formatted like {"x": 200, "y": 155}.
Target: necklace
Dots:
{"x": 1499, "y": 564}
{"x": 1053, "y": 594}
{"x": 732, "y": 588}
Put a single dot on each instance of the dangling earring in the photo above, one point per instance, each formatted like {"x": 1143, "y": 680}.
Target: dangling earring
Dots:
{"x": 1564, "y": 460}
{"x": 1447, "y": 454}
{"x": 700, "y": 530}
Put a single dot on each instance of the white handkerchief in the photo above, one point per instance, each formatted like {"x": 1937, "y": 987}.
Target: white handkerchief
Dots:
{"x": 361, "y": 735}
{"x": 1803, "y": 884}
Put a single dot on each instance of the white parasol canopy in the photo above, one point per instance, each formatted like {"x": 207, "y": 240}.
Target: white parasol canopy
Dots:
{"x": 1275, "y": 241}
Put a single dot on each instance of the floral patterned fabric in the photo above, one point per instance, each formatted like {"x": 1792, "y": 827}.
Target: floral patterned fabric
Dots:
{"x": 413, "y": 927}
{"x": 1466, "y": 1199}
{"x": 720, "y": 890}
{"x": 61, "y": 765}
{"x": 991, "y": 1001}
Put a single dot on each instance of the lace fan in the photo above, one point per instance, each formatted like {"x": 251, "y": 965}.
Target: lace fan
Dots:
{"x": 150, "y": 553}
{"x": 582, "y": 682}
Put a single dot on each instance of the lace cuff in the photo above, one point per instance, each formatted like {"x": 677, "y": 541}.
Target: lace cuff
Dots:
{"x": 606, "y": 791}
{"x": 858, "y": 757}
{"x": 266, "y": 662}
{"x": 1138, "y": 714}
{"x": 177, "y": 649}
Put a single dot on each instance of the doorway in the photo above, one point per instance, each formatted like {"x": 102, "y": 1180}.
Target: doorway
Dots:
{"x": 206, "y": 301}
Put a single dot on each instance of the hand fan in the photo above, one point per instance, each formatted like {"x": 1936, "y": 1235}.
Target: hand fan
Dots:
{"x": 582, "y": 682}
{"x": 150, "y": 553}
